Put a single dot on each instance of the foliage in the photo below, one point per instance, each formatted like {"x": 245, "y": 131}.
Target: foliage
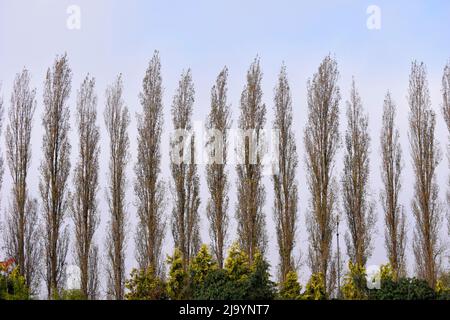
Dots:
{"x": 290, "y": 289}
{"x": 239, "y": 280}
{"x": 237, "y": 264}
{"x": 201, "y": 265}
{"x": 73, "y": 294}
{"x": 404, "y": 289}
{"x": 219, "y": 286}
{"x": 260, "y": 285}
{"x": 443, "y": 286}
{"x": 387, "y": 273}
{"x": 355, "y": 281}
{"x": 13, "y": 286}
{"x": 144, "y": 284}
{"x": 315, "y": 288}
{"x": 178, "y": 278}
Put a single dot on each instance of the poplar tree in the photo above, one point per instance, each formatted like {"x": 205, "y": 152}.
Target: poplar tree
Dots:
{"x": 55, "y": 168}
{"x": 84, "y": 200}
{"x": 22, "y": 232}
{"x": 426, "y": 156}
{"x": 391, "y": 170}
{"x": 186, "y": 193}
{"x": 357, "y": 204}
{"x": 117, "y": 119}
{"x": 284, "y": 181}
{"x": 216, "y": 174}
{"x": 446, "y": 112}
{"x": 149, "y": 187}
{"x": 250, "y": 188}
{"x": 322, "y": 141}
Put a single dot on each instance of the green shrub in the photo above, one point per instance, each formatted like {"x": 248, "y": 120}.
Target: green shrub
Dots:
{"x": 13, "y": 286}
{"x": 145, "y": 285}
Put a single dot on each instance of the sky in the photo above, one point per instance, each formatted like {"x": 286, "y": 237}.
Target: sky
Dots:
{"x": 120, "y": 37}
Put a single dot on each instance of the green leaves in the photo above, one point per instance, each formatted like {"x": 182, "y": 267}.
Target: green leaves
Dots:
{"x": 178, "y": 277}
{"x": 13, "y": 286}
{"x": 315, "y": 288}
{"x": 291, "y": 288}
{"x": 145, "y": 285}
{"x": 201, "y": 265}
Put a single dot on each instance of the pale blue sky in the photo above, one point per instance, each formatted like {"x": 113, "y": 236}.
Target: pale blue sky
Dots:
{"x": 120, "y": 37}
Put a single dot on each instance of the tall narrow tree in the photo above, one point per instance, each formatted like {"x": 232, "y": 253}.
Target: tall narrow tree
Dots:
{"x": 284, "y": 182}
{"x": 22, "y": 234}
{"x": 357, "y": 204}
{"x": 84, "y": 201}
{"x": 55, "y": 167}
{"x": 250, "y": 188}
{"x": 117, "y": 119}
{"x": 1, "y": 123}
{"x": 425, "y": 158}
{"x": 185, "y": 216}
{"x": 216, "y": 173}
{"x": 321, "y": 143}
{"x": 391, "y": 169}
{"x": 446, "y": 112}
{"x": 149, "y": 189}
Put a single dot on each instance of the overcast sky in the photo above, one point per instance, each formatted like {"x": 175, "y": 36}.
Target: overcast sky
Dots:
{"x": 206, "y": 35}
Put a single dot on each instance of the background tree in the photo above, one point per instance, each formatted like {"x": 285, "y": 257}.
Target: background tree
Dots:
{"x": 55, "y": 167}
{"x": 425, "y": 158}
{"x": 149, "y": 189}
{"x": 185, "y": 217}
{"x": 321, "y": 143}
{"x": 216, "y": 174}
{"x": 22, "y": 233}
{"x": 84, "y": 201}
{"x": 284, "y": 183}
{"x": 117, "y": 120}
{"x": 391, "y": 169}
{"x": 250, "y": 188}
{"x": 446, "y": 112}
{"x": 1, "y": 123}
{"x": 357, "y": 205}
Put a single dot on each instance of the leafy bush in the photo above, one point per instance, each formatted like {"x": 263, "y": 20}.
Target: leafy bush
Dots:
{"x": 355, "y": 283}
{"x": 177, "y": 284}
{"x": 403, "y": 289}
{"x": 145, "y": 285}
{"x": 238, "y": 280}
{"x": 260, "y": 286}
{"x": 72, "y": 294}
{"x": 315, "y": 288}
{"x": 201, "y": 265}
{"x": 219, "y": 286}
{"x": 291, "y": 289}
{"x": 13, "y": 286}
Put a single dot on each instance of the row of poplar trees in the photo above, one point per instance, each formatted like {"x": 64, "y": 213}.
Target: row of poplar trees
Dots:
{"x": 32, "y": 232}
